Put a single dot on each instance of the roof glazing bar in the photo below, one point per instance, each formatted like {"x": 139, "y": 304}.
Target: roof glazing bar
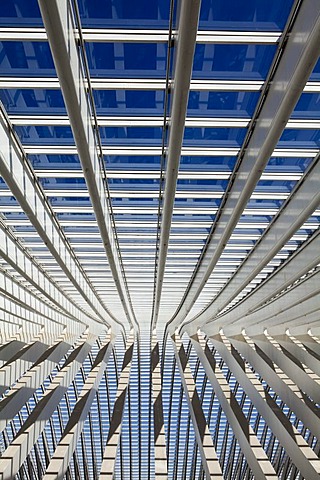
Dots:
{"x": 154, "y": 174}
{"x": 147, "y": 151}
{"x": 145, "y": 84}
{"x": 145, "y": 36}
{"x": 138, "y": 121}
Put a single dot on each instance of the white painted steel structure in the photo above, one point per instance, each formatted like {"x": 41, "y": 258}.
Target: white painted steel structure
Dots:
{"x": 159, "y": 240}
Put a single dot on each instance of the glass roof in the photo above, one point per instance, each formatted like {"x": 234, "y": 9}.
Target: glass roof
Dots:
{"x": 157, "y": 174}
{"x": 132, "y": 121}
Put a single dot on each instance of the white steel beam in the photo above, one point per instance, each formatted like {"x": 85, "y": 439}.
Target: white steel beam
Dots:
{"x": 256, "y": 457}
{"x": 305, "y": 459}
{"x": 23, "y": 360}
{"x": 160, "y": 452}
{"x": 15, "y": 313}
{"x": 25, "y": 387}
{"x": 16, "y": 255}
{"x": 310, "y": 342}
{"x": 186, "y": 40}
{"x": 300, "y": 320}
{"x": 306, "y": 380}
{"x": 295, "y": 347}
{"x": 11, "y": 342}
{"x": 20, "y": 178}
{"x": 295, "y": 65}
{"x": 18, "y": 450}
{"x": 210, "y": 462}
{"x": 298, "y": 264}
{"x": 301, "y": 204}
{"x": 281, "y": 384}
{"x": 61, "y": 457}
{"x": 299, "y": 300}
{"x": 110, "y": 451}
{"x": 33, "y": 302}
{"x": 58, "y": 21}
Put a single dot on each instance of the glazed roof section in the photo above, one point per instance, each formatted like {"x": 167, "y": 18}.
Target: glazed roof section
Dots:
{"x": 128, "y": 63}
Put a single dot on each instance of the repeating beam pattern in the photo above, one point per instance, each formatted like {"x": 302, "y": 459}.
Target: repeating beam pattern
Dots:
{"x": 59, "y": 25}
{"x": 208, "y": 454}
{"x": 25, "y": 387}
{"x": 299, "y": 264}
{"x": 159, "y": 173}
{"x": 259, "y": 385}
{"x": 186, "y": 39}
{"x": 160, "y": 454}
{"x": 13, "y": 457}
{"x": 14, "y": 253}
{"x": 64, "y": 451}
{"x": 110, "y": 451}
{"x": 279, "y": 101}
{"x": 305, "y": 459}
{"x": 16, "y": 171}
{"x": 298, "y": 208}
{"x": 250, "y": 445}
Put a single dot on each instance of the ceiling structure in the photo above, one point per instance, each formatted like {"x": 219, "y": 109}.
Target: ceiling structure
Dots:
{"x": 159, "y": 239}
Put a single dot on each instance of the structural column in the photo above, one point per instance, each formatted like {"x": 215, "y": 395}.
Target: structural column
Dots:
{"x": 19, "y": 449}
{"x": 306, "y": 380}
{"x": 305, "y": 459}
{"x": 249, "y": 443}
{"x": 110, "y": 452}
{"x": 22, "y": 360}
{"x": 280, "y": 383}
{"x": 207, "y": 451}
{"x": 160, "y": 464}
{"x": 67, "y": 445}
{"x": 22, "y": 390}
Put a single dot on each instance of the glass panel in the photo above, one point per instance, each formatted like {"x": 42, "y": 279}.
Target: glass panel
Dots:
{"x": 228, "y": 61}
{"x": 127, "y": 59}
{"x": 141, "y": 14}
{"x": 222, "y": 104}
{"x": 129, "y": 102}
{"x": 308, "y": 106}
{"x": 299, "y": 138}
{"x": 26, "y": 58}
{"x": 244, "y": 14}
{"x": 15, "y": 12}
{"x": 33, "y": 101}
